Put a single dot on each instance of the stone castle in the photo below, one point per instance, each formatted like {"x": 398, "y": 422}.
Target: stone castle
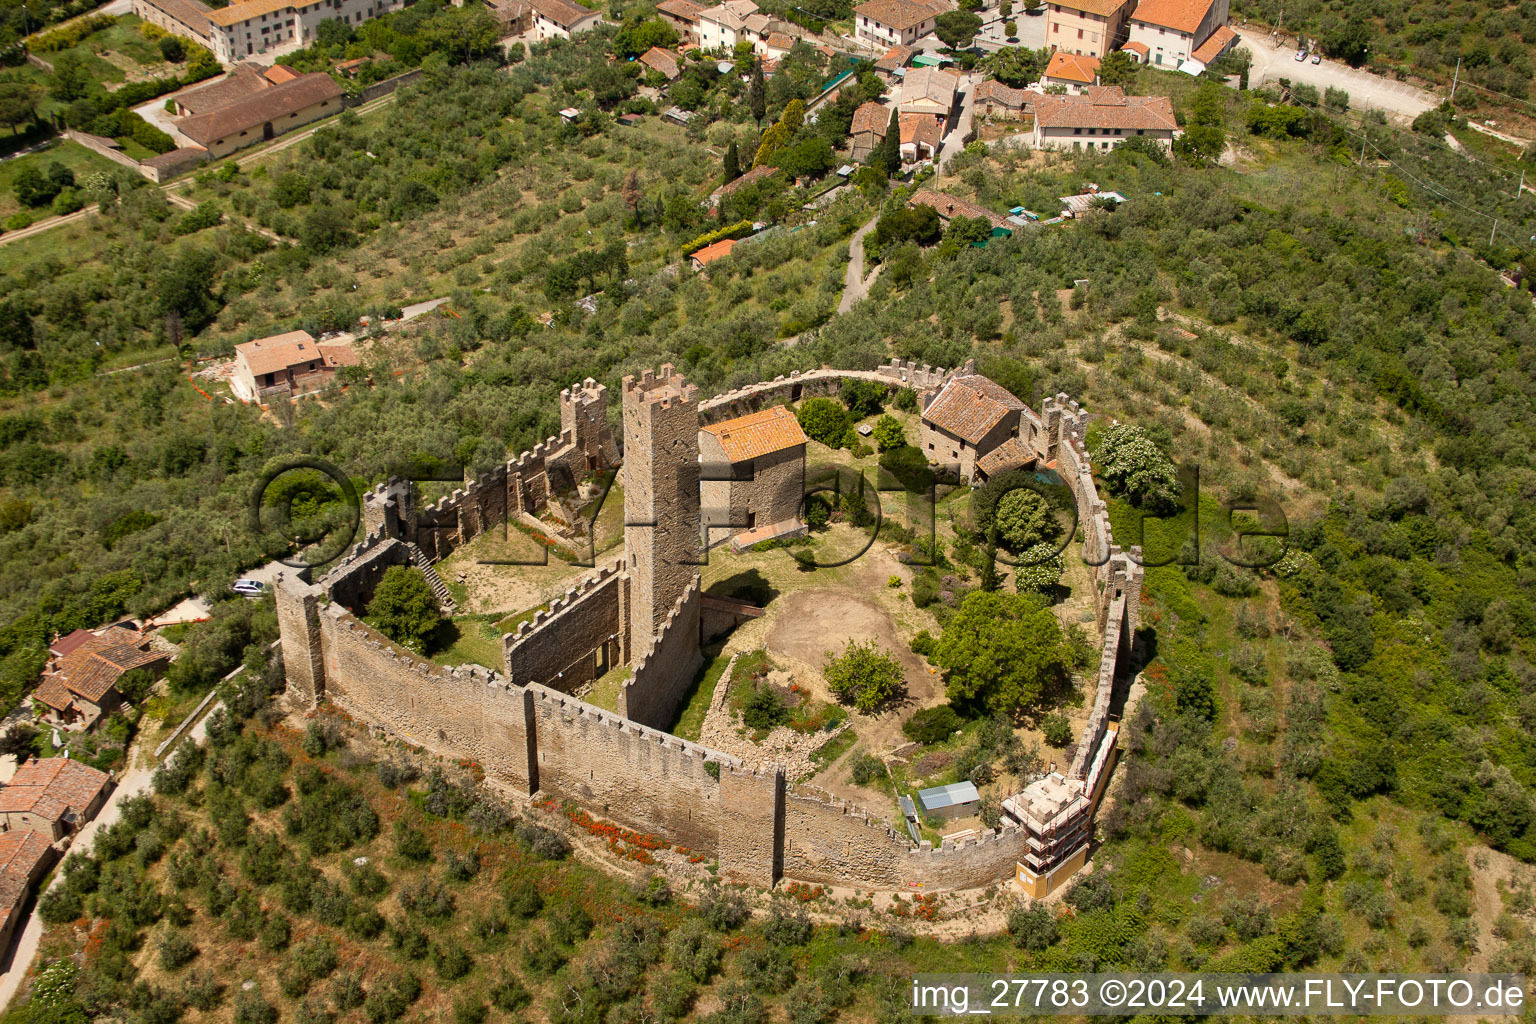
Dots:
{"x": 646, "y": 611}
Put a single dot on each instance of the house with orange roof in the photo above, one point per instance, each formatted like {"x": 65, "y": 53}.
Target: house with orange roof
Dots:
{"x": 1071, "y": 70}
{"x": 870, "y": 121}
{"x": 663, "y": 62}
{"x": 1103, "y": 117}
{"x": 890, "y": 23}
{"x": 25, "y": 856}
{"x": 1172, "y": 30}
{"x": 702, "y": 258}
{"x": 1091, "y": 28}
{"x": 966, "y": 420}
{"x": 1217, "y": 44}
{"x": 287, "y": 364}
{"x": 52, "y": 796}
{"x": 79, "y": 683}
{"x": 683, "y": 16}
{"x": 752, "y": 471}
{"x": 246, "y": 28}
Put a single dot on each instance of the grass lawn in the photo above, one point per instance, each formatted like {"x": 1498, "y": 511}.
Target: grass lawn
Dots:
{"x": 605, "y": 691}
{"x": 71, "y": 154}
{"x": 469, "y": 639}
{"x": 134, "y": 150}
{"x": 690, "y": 721}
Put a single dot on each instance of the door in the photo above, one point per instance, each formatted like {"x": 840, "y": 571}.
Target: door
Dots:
{"x": 266, "y": 130}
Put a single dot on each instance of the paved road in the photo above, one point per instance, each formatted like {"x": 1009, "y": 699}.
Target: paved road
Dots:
{"x": 954, "y": 142}
{"x": 1275, "y": 60}
{"x": 855, "y": 287}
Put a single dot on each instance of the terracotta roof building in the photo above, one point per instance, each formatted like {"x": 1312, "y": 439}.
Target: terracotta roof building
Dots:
{"x": 1071, "y": 70}
{"x": 663, "y": 62}
{"x": 683, "y": 16}
{"x": 286, "y": 364}
{"x": 1089, "y": 27}
{"x": 721, "y": 27}
{"x": 970, "y": 417}
{"x": 52, "y": 796}
{"x": 921, "y": 137}
{"x": 1102, "y": 118}
{"x": 561, "y": 19}
{"x": 928, "y": 91}
{"x": 80, "y": 685}
{"x": 994, "y": 99}
{"x": 752, "y": 471}
{"x": 25, "y": 856}
{"x": 263, "y": 114}
{"x": 953, "y": 206}
{"x": 702, "y": 258}
{"x": 241, "y": 81}
{"x": 896, "y": 58}
{"x": 245, "y": 28}
{"x": 1218, "y": 43}
{"x": 1173, "y": 30}
{"x": 896, "y": 22}
{"x": 870, "y": 121}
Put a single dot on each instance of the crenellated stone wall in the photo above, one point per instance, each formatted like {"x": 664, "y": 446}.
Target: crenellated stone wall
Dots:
{"x": 582, "y": 634}
{"x": 661, "y": 675}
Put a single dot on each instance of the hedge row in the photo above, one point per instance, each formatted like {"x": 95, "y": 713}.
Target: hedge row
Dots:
{"x": 71, "y": 35}
{"x": 740, "y": 229}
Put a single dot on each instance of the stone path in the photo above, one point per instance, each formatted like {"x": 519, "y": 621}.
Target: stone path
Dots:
{"x": 855, "y": 286}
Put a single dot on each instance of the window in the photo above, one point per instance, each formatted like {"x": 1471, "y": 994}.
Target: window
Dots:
{"x": 1056, "y": 29}
{"x": 1079, "y": 33}
{"x": 1077, "y": 131}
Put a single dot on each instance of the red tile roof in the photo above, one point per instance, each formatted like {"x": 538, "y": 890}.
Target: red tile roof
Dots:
{"x": 1136, "y": 47}
{"x": 1103, "y": 8}
{"x": 754, "y": 175}
{"x": 277, "y": 74}
{"x": 1073, "y": 67}
{"x": 661, "y": 60}
{"x": 564, "y": 13}
{"x": 53, "y": 693}
{"x": 22, "y": 854}
{"x": 997, "y": 92}
{"x": 242, "y": 81}
{"x": 923, "y": 130}
{"x": 1011, "y": 454}
{"x": 970, "y": 407}
{"x": 259, "y": 108}
{"x": 1179, "y": 15}
{"x": 758, "y": 434}
{"x": 277, "y": 353}
{"x": 683, "y": 10}
{"x": 897, "y": 14}
{"x": 64, "y": 644}
{"x": 953, "y": 206}
{"x": 51, "y": 786}
{"x": 870, "y": 117}
{"x": 895, "y": 58}
{"x": 714, "y": 251}
{"x": 1218, "y": 43}
{"x": 1106, "y": 107}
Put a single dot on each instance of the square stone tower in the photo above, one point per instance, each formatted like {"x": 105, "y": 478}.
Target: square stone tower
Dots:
{"x": 661, "y": 497}
{"x": 584, "y": 423}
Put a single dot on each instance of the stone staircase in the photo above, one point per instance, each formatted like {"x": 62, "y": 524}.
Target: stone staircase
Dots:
{"x": 439, "y": 588}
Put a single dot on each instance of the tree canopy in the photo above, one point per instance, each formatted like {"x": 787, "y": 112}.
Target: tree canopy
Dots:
{"x": 403, "y": 607}
{"x": 1002, "y": 653}
{"x": 1135, "y": 467}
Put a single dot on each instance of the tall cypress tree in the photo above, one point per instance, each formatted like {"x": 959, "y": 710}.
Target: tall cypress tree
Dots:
{"x": 757, "y": 94}
{"x": 732, "y": 163}
{"x": 887, "y": 155}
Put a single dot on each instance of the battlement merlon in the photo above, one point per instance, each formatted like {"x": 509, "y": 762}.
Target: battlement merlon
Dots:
{"x": 666, "y": 389}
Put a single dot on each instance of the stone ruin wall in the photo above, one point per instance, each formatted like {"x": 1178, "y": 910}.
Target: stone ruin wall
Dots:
{"x": 556, "y": 647}
{"x": 534, "y": 739}
{"x": 661, "y": 676}
{"x": 820, "y": 382}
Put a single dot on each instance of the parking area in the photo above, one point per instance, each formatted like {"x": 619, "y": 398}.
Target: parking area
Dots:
{"x": 1276, "y": 59}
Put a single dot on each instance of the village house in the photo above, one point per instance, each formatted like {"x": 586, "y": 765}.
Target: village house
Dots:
{"x": 263, "y": 114}
{"x": 663, "y": 62}
{"x": 249, "y": 27}
{"x": 52, "y": 796}
{"x": 1210, "y": 51}
{"x": 1071, "y": 71}
{"x": 1089, "y": 27}
{"x": 888, "y": 23}
{"x": 561, "y": 19}
{"x": 1102, "y": 118}
{"x": 722, "y": 26}
{"x": 683, "y": 16}
{"x": 994, "y": 99}
{"x": 928, "y": 91}
{"x": 513, "y": 17}
{"x": 890, "y": 66}
{"x": 702, "y": 258}
{"x": 242, "y": 80}
{"x": 950, "y": 207}
{"x": 870, "y": 121}
{"x": 79, "y": 683}
{"x": 966, "y": 420}
{"x": 921, "y": 137}
{"x": 1172, "y": 30}
{"x": 286, "y": 364}
{"x": 25, "y": 856}
{"x": 754, "y": 476}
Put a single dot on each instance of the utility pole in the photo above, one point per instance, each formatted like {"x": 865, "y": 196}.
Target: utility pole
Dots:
{"x": 1362, "y": 147}
{"x": 1493, "y": 232}
{"x": 1521, "y": 190}
{"x": 1454, "y": 79}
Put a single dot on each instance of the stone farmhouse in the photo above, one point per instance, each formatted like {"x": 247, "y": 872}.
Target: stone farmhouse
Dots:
{"x": 994, "y": 99}
{"x": 258, "y": 109}
{"x": 1102, "y": 118}
{"x": 950, "y": 207}
{"x": 249, "y": 28}
{"x": 646, "y": 612}
{"x": 25, "y": 857}
{"x": 888, "y": 23}
{"x": 52, "y": 796}
{"x": 966, "y": 420}
{"x": 79, "y": 683}
{"x": 870, "y": 121}
{"x": 754, "y": 476}
{"x": 285, "y": 365}
{"x": 683, "y": 16}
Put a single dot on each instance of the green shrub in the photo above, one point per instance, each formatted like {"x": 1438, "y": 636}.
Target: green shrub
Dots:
{"x": 764, "y": 709}
{"x": 866, "y": 769}
{"x": 931, "y": 725}
{"x": 1056, "y": 730}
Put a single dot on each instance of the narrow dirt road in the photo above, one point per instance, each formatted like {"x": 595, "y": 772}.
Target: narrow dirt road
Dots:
{"x": 855, "y": 287}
